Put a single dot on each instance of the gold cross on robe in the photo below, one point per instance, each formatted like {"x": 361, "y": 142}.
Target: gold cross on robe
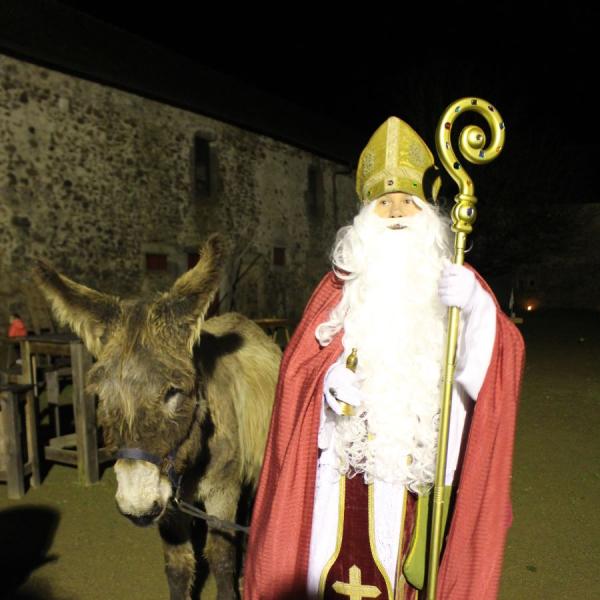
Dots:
{"x": 354, "y": 589}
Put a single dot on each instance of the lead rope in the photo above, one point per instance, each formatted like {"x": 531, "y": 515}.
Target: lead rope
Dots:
{"x": 211, "y": 520}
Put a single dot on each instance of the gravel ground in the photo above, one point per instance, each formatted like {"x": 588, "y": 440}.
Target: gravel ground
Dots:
{"x": 554, "y": 544}
{"x": 67, "y": 542}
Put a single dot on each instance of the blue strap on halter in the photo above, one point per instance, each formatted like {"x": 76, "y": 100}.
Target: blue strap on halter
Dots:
{"x": 139, "y": 454}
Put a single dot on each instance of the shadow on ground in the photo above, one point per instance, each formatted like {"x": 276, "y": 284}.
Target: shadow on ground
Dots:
{"x": 26, "y": 536}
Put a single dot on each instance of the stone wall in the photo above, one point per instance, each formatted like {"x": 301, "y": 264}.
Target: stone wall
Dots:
{"x": 93, "y": 178}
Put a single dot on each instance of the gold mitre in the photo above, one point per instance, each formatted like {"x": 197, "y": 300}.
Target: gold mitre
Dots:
{"x": 396, "y": 160}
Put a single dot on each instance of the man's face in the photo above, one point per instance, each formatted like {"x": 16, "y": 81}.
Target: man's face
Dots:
{"x": 395, "y": 204}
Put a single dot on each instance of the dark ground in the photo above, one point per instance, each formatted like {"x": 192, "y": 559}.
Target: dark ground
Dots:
{"x": 554, "y": 544}
{"x": 66, "y": 542}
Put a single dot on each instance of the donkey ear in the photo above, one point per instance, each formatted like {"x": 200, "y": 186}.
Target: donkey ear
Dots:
{"x": 191, "y": 295}
{"x": 87, "y": 312}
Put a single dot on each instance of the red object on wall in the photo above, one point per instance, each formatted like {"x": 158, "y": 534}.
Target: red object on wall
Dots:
{"x": 17, "y": 329}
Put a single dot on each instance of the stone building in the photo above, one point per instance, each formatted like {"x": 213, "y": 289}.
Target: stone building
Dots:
{"x": 118, "y": 157}
{"x": 118, "y": 191}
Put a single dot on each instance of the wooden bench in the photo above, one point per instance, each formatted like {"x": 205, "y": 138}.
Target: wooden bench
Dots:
{"x": 11, "y": 397}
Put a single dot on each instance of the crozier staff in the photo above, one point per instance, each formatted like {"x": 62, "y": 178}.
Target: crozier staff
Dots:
{"x": 473, "y": 147}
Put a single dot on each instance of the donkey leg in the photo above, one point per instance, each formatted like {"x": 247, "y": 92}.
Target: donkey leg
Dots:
{"x": 220, "y": 545}
{"x": 180, "y": 563}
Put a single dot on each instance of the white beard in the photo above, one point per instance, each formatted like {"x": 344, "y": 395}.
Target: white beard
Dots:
{"x": 390, "y": 312}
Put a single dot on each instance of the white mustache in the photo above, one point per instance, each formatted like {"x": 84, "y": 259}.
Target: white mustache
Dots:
{"x": 396, "y": 226}
{"x": 397, "y": 222}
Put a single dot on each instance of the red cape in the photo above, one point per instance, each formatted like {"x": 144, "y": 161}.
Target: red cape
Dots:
{"x": 277, "y": 558}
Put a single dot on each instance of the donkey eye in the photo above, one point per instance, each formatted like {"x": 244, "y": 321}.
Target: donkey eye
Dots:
{"x": 171, "y": 392}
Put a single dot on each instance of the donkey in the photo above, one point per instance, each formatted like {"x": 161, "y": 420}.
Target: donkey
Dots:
{"x": 186, "y": 401}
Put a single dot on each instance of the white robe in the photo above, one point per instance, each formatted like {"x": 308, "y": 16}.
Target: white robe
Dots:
{"x": 474, "y": 353}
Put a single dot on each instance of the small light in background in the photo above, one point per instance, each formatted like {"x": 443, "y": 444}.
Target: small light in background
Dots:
{"x": 530, "y": 304}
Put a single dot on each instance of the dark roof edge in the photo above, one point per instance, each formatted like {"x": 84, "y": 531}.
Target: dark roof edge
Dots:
{"x": 60, "y": 38}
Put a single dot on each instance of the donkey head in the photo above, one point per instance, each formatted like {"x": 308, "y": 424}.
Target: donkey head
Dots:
{"x": 144, "y": 373}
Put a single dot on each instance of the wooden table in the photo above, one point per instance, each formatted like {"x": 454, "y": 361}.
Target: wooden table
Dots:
{"x": 87, "y": 456}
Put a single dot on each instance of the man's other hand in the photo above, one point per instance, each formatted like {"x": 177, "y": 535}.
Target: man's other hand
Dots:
{"x": 457, "y": 287}
{"x": 342, "y": 385}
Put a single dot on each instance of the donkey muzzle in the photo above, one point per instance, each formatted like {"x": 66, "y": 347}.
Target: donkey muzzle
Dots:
{"x": 145, "y": 519}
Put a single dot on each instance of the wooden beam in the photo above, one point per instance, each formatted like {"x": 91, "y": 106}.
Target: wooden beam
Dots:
{"x": 15, "y": 477}
{"x": 33, "y": 449}
{"x": 64, "y": 441}
{"x": 61, "y": 455}
{"x": 84, "y": 406}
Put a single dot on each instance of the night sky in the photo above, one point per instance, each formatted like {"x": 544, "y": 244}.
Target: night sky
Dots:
{"x": 536, "y": 66}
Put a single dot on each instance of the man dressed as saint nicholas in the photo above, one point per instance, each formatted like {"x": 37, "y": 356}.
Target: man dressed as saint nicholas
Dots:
{"x": 343, "y": 499}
